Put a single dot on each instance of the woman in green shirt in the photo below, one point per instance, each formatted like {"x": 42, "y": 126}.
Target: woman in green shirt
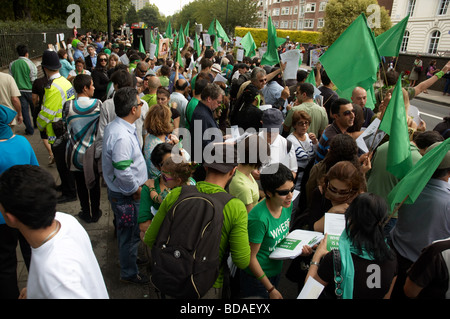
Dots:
{"x": 268, "y": 225}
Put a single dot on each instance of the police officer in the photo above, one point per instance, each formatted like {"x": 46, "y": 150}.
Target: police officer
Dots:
{"x": 57, "y": 91}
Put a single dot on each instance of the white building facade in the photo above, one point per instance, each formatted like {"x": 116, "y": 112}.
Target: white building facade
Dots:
{"x": 428, "y": 29}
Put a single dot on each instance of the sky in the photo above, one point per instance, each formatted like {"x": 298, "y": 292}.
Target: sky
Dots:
{"x": 169, "y": 7}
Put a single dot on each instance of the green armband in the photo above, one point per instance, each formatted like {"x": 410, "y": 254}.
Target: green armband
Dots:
{"x": 439, "y": 74}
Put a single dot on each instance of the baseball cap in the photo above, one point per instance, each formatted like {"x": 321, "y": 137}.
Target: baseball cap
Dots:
{"x": 272, "y": 118}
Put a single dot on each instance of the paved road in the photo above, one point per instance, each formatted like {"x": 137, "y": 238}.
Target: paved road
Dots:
{"x": 431, "y": 113}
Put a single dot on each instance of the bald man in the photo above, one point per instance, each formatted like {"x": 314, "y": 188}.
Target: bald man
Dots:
{"x": 153, "y": 84}
{"x": 359, "y": 97}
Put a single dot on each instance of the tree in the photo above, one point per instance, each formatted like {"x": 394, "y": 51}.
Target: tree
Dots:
{"x": 339, "y": 14}
{"x": 150, "y": 15}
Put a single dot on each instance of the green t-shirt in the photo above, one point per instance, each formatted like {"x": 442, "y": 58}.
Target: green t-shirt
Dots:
{"x": 150, "y": 99}
{"x": 244, "y": 188}
{"x": 164, "y": 81}
{"x": 234, "y": 230}
{"x": 146, "y": 203}
{"x": 268, "y": 231}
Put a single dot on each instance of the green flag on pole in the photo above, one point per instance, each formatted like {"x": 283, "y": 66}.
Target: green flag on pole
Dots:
{"x": 394, "y": 123}
{"x": 157, "y": 45}
{"x": 413, "y": 183}
{"x": 179, "y": 47}
{"x": 169, "y": 31}
{"x": 271, "y": 57}
{"x": 152, "y": 38}
{"x": 212, "y": 29}
{"x": 186, "y": 30}
{"x": 389, "y": 42}
{"x": 181, "y": 38}
{"x": 216, "y": 43}
{"x": 141, "y": 46}
{"x": 249, "y": 45}
{"x": 197, "y": 45}
{"x": 353, "y": 58}
{"x": 311, "y": 78}
{"x": 221, "y": 32}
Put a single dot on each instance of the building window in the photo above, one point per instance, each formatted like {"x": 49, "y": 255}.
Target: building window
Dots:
{"x": 443, "y": 6}
{"x": 405, "y": 40}
{"x": 434, "y": 42}
{"x": 309, "y": 23}
{"x": 411, "y": 6}
{"x": 322, "y": 6}
{"x": 310, "y": 7}
{"x": 294, "y": 24}
{"x": 320, "y": 23}
{"x": 285, "y": 11}
{"x": 300, "y": 24}
{"x": 295, "y": 10}
{"x": 276, "y": 12}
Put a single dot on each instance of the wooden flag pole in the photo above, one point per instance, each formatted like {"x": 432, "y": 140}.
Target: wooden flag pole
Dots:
{"x": 395, "y": 211}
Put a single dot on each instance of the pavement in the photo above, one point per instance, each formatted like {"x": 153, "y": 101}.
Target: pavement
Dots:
{"x": 102, "y": 233}
{"x": 104, "y": 242}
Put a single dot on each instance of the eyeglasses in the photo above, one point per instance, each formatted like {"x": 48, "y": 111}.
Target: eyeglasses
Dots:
{"x": 303, "y": 123}
{"x": 140, "y": 104}
{"x": 285, "y": 192}
{"x": 104, "y": 60}
{"x": 337, "y": 191}
{"x": 263, "y": 80}
{"x": 143, "y": 71}
{"x": 348, "y": 112}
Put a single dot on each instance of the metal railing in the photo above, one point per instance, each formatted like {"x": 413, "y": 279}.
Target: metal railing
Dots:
{"x": 37, "y": 42}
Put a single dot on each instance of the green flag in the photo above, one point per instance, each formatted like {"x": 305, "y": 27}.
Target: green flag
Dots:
{"x": 141, "y": 46}
{"x": 212, "y": 28}
{"x": 221, "y": 32}
{"x": 249, "y": 45}
{"x": 157, "y": 45}
{"x": 389, "y": 42}
{"x": 186, "y": 30}
{"x": 353, "y": 58}
{"x": 180, "y": 46}
{"x": 181, "y": 38}
{"x": 197, "y": 45}
{"x": 311, "y": 78}
{"x": 152, "y": 39}
{"x": 413, "y": 183}
{"x": 169, "y": 31}
{"x": 273, "y": 42}
{"x": 394, "y": 123}
{"x": 216, "y": 43}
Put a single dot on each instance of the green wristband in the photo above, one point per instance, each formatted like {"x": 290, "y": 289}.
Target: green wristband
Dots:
{"x": 439, "y": 74}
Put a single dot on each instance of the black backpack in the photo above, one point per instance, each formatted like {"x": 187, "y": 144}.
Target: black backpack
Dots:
{"x": 186, "y": 251}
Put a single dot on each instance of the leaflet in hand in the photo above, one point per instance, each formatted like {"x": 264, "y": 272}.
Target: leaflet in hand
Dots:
{"x": 334, "y": 226}
{"x": 292, "y": 245}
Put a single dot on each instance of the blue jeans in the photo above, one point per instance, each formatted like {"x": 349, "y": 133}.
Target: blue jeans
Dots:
{"x": 253, "y": 288}
{"x": 126, "y": 211}
{"x": 26, "y": 102}
{"x": 447, "y": 86}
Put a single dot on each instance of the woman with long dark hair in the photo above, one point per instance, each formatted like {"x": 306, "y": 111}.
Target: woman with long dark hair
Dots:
{"x": 368, "y": 266}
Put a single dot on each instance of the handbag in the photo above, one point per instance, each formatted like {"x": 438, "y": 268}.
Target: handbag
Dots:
{"x": 418, "y": 69}
{"x": 337, "y": 273}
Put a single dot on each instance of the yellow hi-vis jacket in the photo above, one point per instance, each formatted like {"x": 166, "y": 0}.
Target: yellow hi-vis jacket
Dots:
{"x": 60, "y": 91}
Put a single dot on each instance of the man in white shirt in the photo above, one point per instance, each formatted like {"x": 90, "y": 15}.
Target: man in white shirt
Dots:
{"x": 63, "y": 264}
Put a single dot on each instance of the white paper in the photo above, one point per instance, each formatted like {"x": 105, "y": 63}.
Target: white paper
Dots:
{"x": 61, "y": 37}
{"x": 301, "y": 238}
{"x": 240, "y": 55}
{"x": 261, "y": 51}
{"x": 413, "y": 112}
{"x": 207, "y": 40}
{"x": 152, "y": 50}
{"x": 220, "y": 78}
{"x": 366, "y": 140}
{"x": 311, "y": 290}
{"x": 315, "y": 55}
{"x": 238, "y": 42}
{"x": 334, "y": 224}
{"x": 292, "y": 57}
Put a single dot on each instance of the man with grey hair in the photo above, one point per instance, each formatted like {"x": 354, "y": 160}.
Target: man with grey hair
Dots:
{"x": 203, "y": 119}
{"x": 124, "y": 171}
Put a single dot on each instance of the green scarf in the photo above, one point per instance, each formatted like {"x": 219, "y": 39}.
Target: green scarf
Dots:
{"x": 346, "y": 248}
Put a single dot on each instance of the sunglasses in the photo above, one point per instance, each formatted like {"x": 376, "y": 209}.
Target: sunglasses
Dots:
{"x": 285, "y": 192}
{"x": 347, "y": 113}
{"x": 103, "y": 60}
{"x": 339, "y": 192}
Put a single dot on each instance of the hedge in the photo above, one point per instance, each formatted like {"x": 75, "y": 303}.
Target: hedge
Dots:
{"x": 260, "y": 35}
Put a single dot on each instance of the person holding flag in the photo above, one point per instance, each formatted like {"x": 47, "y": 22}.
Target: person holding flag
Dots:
{"x": 423, "y": 216}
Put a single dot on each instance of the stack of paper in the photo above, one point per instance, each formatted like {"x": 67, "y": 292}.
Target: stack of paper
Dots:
{"x": 292, "y": 245}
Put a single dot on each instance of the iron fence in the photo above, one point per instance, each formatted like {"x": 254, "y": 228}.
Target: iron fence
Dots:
{"x": 37, "y": 42}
